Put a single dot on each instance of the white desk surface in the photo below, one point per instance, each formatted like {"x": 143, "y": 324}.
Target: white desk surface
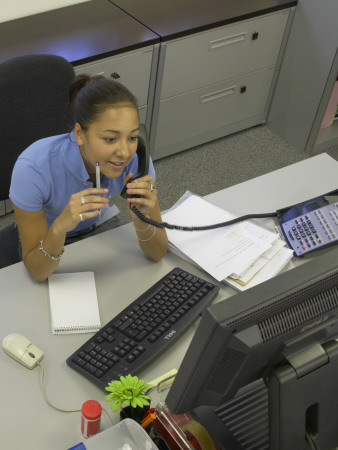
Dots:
{"x": 122, "y": 273}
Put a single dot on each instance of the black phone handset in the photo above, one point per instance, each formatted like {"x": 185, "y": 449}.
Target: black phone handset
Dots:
{"x": 143, "y": 164}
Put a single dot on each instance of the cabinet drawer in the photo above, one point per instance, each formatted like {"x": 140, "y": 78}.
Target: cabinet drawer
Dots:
{"x": 131, "y": 69}
{"x": 226, "y": 52}
{"x": 216, "y": 106}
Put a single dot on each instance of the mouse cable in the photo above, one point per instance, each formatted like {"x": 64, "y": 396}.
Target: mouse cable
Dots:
{"x": 201, "y": 228}
{"x": 42, "y": 383}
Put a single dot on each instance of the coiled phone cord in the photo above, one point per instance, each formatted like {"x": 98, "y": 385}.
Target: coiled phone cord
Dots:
{"x": 202, "y": 228}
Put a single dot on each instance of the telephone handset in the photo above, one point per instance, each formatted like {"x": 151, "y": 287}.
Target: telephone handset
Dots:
{"x": 143, "y": 161}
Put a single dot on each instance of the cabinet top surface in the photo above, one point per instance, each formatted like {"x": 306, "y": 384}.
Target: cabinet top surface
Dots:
{"x": 174, "y": 18}
{"x": 80, "y": 33}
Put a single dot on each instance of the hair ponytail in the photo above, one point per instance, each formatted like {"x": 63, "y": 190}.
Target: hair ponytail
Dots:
{"x": 79, "y": 82}
{"x": 90, "y": 96}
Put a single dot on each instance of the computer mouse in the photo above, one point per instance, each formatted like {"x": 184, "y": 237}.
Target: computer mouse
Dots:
{"x": 18, "y": 347}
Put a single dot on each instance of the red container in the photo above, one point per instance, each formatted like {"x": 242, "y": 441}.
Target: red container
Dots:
{"x": 90, "y": 418}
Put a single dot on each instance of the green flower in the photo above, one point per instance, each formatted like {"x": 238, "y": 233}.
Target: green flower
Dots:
{"x": 129, "y": 390}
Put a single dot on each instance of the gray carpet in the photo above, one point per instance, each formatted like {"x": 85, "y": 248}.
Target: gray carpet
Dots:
{"x": 216, "y": 165}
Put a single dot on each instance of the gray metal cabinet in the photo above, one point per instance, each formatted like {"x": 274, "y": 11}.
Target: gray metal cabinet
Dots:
{"x": 215, "y": 82}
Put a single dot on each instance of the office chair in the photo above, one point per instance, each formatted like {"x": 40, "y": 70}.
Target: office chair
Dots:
{"x": 33, "y": 105}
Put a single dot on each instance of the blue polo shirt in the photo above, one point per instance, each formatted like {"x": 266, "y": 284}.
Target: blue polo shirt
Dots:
{"x": 49, "y": 171}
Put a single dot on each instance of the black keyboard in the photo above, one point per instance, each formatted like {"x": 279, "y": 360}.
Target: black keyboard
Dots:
{"x": 143, "y": 330}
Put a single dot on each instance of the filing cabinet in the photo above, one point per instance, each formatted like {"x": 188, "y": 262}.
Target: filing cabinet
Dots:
{"x": 215, "y": 82}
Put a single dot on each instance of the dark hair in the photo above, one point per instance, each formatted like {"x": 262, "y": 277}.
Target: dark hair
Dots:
{"x": 91, "y": 96}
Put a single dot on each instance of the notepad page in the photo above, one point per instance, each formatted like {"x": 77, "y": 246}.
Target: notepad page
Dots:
{"x": 73, "y": 303}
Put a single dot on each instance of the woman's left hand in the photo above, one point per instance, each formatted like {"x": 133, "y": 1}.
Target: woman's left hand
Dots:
{"x": 146, "y": 190}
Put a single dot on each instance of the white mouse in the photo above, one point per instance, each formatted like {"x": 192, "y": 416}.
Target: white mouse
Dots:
{"x": 21, "y": 349}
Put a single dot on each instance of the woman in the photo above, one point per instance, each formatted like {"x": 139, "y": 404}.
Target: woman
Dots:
{"x": 53, "y": 187}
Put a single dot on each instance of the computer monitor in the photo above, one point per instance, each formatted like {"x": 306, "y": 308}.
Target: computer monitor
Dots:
{"x": 261, "y": 371}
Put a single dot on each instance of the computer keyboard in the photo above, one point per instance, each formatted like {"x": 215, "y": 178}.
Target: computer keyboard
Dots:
{"x": 146, "y": 328}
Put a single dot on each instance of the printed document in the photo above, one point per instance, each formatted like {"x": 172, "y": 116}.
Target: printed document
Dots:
{"x": 223, "y": 252}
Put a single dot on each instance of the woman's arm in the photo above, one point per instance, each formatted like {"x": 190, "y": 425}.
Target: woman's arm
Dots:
{"x": 42, "y": 258}
{"x": 33, "y": 228}
{"x": 153, "y": 241}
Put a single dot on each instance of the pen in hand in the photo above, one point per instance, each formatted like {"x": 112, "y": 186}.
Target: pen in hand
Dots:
{"x": 98, "y": 181}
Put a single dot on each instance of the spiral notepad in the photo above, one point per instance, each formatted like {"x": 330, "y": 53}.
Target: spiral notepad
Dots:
{"x": 73, "y": 303}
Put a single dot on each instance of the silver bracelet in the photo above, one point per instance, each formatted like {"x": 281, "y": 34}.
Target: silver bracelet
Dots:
{"x": 148, "y": 239}
{"x": 54, "y": 258}
{"x": 144, "y": 229}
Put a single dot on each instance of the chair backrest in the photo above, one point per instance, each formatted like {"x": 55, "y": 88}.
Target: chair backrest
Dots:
{"x": 10, "y": 247}
{"x": 33, "y": 105}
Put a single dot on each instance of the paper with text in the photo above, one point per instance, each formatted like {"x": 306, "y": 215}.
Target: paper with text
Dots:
{"x": 222, "y": 251}
{"x": 274, "y": 266}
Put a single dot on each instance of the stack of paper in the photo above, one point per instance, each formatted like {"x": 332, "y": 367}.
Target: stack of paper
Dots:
{"x": 242, "y": 255}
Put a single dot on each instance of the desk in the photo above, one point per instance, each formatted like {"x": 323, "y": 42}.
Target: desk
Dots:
{"x": 80, "y": 33}
{"x": 174, "y": 19}
{"x": 122, "y": 273}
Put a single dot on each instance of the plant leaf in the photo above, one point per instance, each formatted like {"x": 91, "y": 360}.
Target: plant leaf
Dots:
{"x": 116, "y": 404}
{"x": 128, "y": 390}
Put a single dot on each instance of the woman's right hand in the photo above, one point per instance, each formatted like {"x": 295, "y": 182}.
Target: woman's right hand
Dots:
{"x": 83, "y": 205}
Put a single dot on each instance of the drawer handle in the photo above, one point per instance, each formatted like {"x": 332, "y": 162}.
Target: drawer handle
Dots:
{"x": 234, "y": 39}
{"x": 115, "y": 75}
{"x": 217, "y": 95}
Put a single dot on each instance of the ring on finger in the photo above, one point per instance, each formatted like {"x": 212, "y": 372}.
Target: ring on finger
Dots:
{"x": 83, "y": 201}
{"x": 81, "y": 217}
{"x": 152, "y": 187}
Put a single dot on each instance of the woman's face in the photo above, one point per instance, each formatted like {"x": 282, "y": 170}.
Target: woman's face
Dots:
{"x": 111, "y": 140}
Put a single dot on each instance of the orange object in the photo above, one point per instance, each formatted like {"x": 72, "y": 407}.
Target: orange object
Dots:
{"x": 147, "y": 420}
{"x": 180, "y": 431}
